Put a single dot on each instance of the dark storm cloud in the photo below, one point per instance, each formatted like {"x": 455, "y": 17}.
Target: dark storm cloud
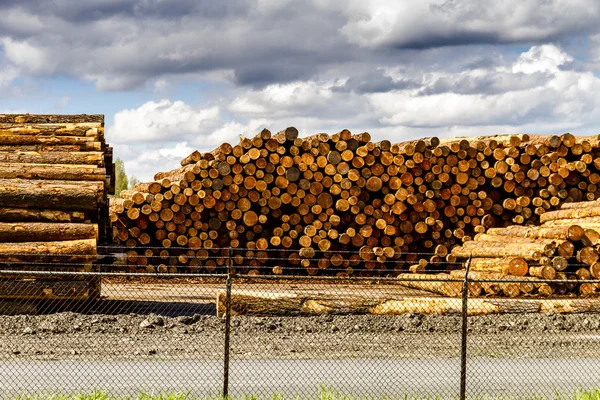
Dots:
{"x": 92, "y": 10}
{"x": 123, "y": 44}
{"x": 439, "y": 23}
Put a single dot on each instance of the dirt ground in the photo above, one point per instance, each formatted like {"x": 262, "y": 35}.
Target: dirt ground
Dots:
{"x": 177, "y": 321}
{"x": 69, "y": 335}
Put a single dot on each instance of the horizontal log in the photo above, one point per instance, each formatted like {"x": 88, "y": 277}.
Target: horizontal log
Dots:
{"x": 51, "y": 267}
{"x": 44, "y": 290}
{"x": 32, "y": 157}
{"x": 570, "y": 214}
{"x": 431, "y": 283}
{"x": 67, "y": 251}
{"x": 257, "y": 304}
{"x": 580, "y": 204}
{"x": 62, "y": 129}
{"x": 192, "y": 158}
{"x": 87, "y": 143}
{"x": 52, "y": 171}
{"x": 8, "y": 214}
{"x": 569, "y": 232}
{"x": 516, "y": 240}
{"x": 52, "y": 118}
{"x": 60, "y": 195}
{"x": 498, "y": 252}
{"x": 45, "y": 231}
{"x": 504, "y": 265}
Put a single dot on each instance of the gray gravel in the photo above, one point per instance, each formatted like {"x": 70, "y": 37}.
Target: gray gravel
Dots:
{"x": 71, "y": 335}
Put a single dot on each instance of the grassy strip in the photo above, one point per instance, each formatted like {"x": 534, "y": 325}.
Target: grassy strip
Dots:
{"x": 323, "y": 394}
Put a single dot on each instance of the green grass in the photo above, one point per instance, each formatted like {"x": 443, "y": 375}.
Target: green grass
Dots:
{"x": 322, "y": 394}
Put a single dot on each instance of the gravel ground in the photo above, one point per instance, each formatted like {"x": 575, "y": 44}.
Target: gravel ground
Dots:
{"x": 69, "y": 335}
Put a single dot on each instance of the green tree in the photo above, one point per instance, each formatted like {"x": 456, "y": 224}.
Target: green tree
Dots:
{"x": 121, "y": 177}
{"x": 133, "y": 180}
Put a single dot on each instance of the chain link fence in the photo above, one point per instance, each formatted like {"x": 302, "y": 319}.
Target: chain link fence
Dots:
{"x": 210, "y": 335}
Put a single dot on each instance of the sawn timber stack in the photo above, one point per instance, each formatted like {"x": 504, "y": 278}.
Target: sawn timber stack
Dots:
{"x": 343, "y": 205}
{"x": 55, "y": 174}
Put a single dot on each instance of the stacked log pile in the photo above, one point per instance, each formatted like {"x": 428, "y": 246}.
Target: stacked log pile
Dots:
{"x": 564, "y": 247}
{"x": 55, "y": 174}
{"x": 342, "y": 204}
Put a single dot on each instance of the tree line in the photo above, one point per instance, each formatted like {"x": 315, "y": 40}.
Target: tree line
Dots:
{"x": 122, "y": 181}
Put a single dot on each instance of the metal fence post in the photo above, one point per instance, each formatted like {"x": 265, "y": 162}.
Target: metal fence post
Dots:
{"x": 227, "y": 327}
{"x": 463, "y": 336}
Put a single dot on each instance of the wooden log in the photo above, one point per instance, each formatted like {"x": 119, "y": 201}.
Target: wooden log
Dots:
{"x": 570, "y": 213}
{"x": 192, "y": 158}
{"x": 148, "y": 187}
{"x": 289, "y": 134}
{"x": 267, "y": 304}
{"x": 8, "y": 214}
{"x": 510, "y": 288}
{"x": 60, "y": 195}
{"x": 44, "y": 290}
{"x": 431, "y": 283}
{"x": 506, "y": 266}
{"x": 52, "y": 171}
{"x": 85, "y": 129}
{"x": 525, "y": 252}
{"x": 517, "y": 240}
{"x": 569, "y": 232}
{"x": 45, "y": 231}
{"x": 66, "y": 251}
{"x": 41, "y": 143}
{"x": 57, "y": 157}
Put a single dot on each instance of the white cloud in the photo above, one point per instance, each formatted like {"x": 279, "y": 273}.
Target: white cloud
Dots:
{"x": 163, "y": 121}
{"x": 161, "y": 85}
{"x": 144, "y": 162}
{"x": 544, "y": 58}
{"x": 7, "y": 75}
{"x": 30, "y": 57}
{"x": 283, "y": 98}
{"x": 497, "y": 96}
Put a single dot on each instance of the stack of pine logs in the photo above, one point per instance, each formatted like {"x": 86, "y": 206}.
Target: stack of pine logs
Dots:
{"x": 565, "y": 247}
{"x": 343, "y": 205}
{"x": 55, "y": 174}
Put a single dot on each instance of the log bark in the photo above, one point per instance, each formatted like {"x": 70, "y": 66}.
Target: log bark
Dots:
{"x": 60, "y": 195}
{"x": 570, "y": 213}
{"x": 52, "y": 171}
{"x": 431, "y": 283}
{"x": 75, "y": 157}
{"x": 66, "y": 251}
{"x": 282, "y": 305}
{"x": 42, "y": 142}
{"x": 568, "y": 232}
{"x": 498, "y": 252}
{"x": 29, "y": 215}
{"x": 45, "y": 232}
{"x": 41, "y": 129}
{"x": 52, "y": 119}
{"x": 506, "y": 266}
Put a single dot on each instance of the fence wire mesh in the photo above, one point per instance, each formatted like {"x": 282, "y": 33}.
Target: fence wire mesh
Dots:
{"x": 375, "y": 337}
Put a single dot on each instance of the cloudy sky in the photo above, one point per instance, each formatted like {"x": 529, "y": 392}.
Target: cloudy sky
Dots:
{"x": 174, "y": 76}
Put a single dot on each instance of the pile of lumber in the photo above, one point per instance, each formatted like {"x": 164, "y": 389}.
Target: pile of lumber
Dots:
{"x": 343, "y": 205}
{"x": 55, "y": 174}
{"x": 564, "y": 247}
